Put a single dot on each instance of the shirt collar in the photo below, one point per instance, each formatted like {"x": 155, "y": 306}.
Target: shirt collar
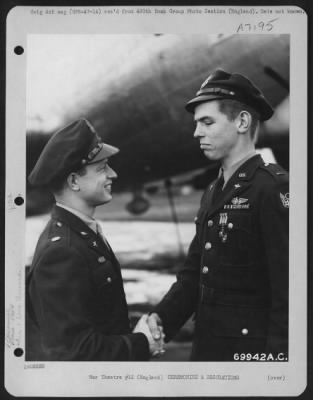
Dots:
{"x": 89, "y": 221}
{"x": 230, "y": 170}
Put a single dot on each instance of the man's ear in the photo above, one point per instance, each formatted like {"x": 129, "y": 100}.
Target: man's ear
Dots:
{"x": 243, "y": 121}
{"x": 72, "y": 181}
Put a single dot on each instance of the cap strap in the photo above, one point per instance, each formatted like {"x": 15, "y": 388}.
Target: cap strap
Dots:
{"x": 215, "y": 91}
{"x": 92, "y": 154}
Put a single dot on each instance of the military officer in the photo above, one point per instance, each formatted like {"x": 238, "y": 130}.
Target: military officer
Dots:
{"x": 235, "y": 277}
{"x": 74, "y": 294}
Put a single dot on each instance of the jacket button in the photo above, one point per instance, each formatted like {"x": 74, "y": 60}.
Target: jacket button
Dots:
{"x": 101, "y": 260}
{"x": 109, "y": 279}
{"x": 205, "y": 270}
{"x": 230, "y": 225}
{"x": 208, "y": 246}
{"x": 244, "y": 331}
{"x": 210, "y": 223}
{"x": 59, "y": 224}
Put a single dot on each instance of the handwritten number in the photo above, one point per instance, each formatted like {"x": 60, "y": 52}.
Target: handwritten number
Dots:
{"x": 261, "y": 26}
{"x": 270, "y": 24}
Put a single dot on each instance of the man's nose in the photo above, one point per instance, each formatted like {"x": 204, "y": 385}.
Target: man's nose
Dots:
{"x": 197, "y": 133}
{"x": 112, "y": 174}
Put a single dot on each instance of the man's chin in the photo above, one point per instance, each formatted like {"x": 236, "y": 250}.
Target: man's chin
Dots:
{"x": 209, "y": 155}
{"x": 107, "y": 199}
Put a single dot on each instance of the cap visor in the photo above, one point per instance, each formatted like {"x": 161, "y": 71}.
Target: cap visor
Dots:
{"x": 105, "y": 152}
{"x": 190, "y": 106}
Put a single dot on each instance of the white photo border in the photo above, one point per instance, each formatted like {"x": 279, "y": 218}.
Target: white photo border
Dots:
{"x": 73, "y": 378}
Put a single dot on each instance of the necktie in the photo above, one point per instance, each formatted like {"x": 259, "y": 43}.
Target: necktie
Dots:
{"x": 101, "y": 235}
{"x": 218, "y": 187}
{"x": 103, "y": 238}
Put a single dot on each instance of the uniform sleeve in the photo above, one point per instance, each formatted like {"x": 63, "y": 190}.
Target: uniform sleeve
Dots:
{"x": 61, "y": 297}
{"x": 181, "y": 300}
{"x": 275, "y": 233}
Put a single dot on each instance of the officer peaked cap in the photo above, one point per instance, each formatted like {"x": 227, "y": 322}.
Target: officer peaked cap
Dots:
{"x": 222, "y": 85}
{"x": 68, "y": 150}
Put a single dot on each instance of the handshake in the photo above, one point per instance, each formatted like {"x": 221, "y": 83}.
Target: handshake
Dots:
{"x": 151, "y": 326}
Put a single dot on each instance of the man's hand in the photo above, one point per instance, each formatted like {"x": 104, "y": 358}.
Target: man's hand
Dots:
{"x": 156, "y": 342}
{"x": 155, "y": 326}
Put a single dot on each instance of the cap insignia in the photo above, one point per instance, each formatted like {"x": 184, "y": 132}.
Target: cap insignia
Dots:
{"x": 95, "y": 151}
{"x": 205, "y": 82}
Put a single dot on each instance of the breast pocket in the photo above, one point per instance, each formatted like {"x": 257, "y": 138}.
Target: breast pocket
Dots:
{"x": 238, "y": 248}
{"x": 241, "y": 322}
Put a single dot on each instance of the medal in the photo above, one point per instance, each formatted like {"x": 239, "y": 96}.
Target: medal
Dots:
{"x": 222, "y": 223}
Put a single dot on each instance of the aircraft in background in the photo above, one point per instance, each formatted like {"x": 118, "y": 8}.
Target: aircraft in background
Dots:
{"x": 133, "y": 88}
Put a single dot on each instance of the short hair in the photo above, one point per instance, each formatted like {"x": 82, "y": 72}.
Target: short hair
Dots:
{"x": 231, "y": 108}
{"x": 58, "y": 184}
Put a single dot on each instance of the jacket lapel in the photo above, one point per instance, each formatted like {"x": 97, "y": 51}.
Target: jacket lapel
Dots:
{"x": 238, "y": 183}
{"x": 228, "y": 194}
{"x": 93, "y": 241}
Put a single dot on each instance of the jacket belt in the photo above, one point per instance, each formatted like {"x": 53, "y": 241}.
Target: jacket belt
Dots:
{"x": 211, "y": 296}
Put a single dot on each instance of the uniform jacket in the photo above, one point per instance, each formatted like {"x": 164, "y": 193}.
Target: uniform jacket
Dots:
{"x": 76, "y": 297}
{"x": 235, "y": 278}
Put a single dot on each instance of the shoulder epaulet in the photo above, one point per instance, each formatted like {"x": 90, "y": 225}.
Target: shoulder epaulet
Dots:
{"x": 55, "y": 238}
{"x": 274, "y": 169}
{"x": 57, "y": 231}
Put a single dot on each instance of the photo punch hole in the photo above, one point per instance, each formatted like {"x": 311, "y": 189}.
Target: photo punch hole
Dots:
{"x": 18, "y": 50}
{"x": 65, "y": 335}
{"x": 19, "y": 200}
{"x": 18, "y": 352}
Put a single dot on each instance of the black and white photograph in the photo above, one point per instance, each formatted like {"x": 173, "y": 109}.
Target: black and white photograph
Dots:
{"x": 158, "y": 246}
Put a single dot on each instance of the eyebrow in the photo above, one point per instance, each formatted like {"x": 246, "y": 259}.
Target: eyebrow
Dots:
{"x": 101, "y": 165}
{"x": 206, "y": 117}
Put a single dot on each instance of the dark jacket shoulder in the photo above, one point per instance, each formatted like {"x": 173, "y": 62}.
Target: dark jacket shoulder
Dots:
{"x": 275, "y": 171}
